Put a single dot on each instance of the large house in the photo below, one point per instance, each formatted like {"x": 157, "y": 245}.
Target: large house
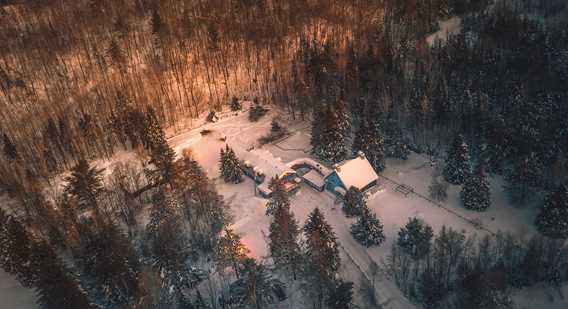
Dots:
{"x": 356, "y": 172}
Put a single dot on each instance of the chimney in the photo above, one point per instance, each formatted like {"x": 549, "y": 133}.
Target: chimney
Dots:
{"x": 361, "y": 155}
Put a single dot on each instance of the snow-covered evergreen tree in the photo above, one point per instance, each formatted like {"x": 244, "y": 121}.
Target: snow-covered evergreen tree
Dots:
{"x": 353, "y": 202}
{"x": 457, "y": 161}
{"x": 476, "y": 194}
{"x": 553, "y": 218}
{"x": 340, "y": 295}
{"x": 85, "y": 184}
{"x": 328, "y": 139}
{"x": 230, "y": 251}
{"x": 524, "y": 178}
{"x": 283, "y": 240}
{"x": 230, "y": 167}
{"x": 368, "y": 230}
{"x": 415, "y": 238}
{"x": 369, "y": 140}
{"x": 256, "y": 288}
{"x": 321, "y": 246}
{"x": 279, "y": 197}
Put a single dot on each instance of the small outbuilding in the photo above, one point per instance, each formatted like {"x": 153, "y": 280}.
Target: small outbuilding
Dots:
{"x": 356, "y": 172}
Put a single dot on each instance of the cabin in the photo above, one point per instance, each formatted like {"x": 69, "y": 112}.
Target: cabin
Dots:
{"x": 311, "y": 172}
{"x": 356, "y": 172}
{"x": 260, "y": 165}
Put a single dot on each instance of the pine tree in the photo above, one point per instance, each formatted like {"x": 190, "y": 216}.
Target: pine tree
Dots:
{"x": 321, "y": 247}
{"x": 55, "y": 288}
{"x": 524, "y": 179}
{"x": 283, "y": 240}
{"x": 230, "y": 167}
{"x": 476, "y": 194}
{"x": 340, "y": 295}
{"x": 330, "y": 145}
{"x": 85, "y": 184}
{"x": 368, "y": 230}
{"x": 16, "y": 250}
{"x": 553, "y": 218}
{"x": 152, "y": 134}
{"x": 10, "y": 150}
{"x": 107, "y": 256}
{"x": 353, "y": 202}
{"x": 256, "y": 287}
{"x": 279, "y": 197}
{"x": 415, "y": 238}
{"x": 231, "y": 251}
{"x": 457, "y": 161}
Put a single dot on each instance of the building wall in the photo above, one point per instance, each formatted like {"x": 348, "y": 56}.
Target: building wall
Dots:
{"x": 332, "y": 181}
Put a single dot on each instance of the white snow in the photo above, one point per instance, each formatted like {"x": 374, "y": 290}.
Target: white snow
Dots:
{"x": 448, "y": 27}
{"x": 356, "y": 172}
{"x": 13, "y": 294}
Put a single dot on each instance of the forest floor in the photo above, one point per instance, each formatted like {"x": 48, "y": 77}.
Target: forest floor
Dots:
{"x": 391, "y": 207}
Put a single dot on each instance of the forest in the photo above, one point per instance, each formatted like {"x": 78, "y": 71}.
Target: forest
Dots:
{"x": 91, "y": 80}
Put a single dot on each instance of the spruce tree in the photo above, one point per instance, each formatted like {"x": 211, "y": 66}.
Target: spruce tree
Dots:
{"x": 107, "y": 256}
{"x": 553, "y": 218}
{"x": 283, "y": 240}
{"x": 476, "y": 194}
{"x": 524, "y": 178}
{"x": 279, "y": 197}
{"x": 353, "y": 202}
{"x": 85, "y": 184}
{"x": 457, "y": 161}
{"x": 256, "y": 287}
{"x": 321, "y": 246}
{"x": 230, "y": 167}
{"x": 415, "y": 238}
{"x": 16, "y": 250}
{"x": 10, "y": 150}
{"x": 231, "y": 251}
{"x": 438, "y": 189}
{"x": 368, "y": 230}
{"x": 331, "y": 142}
{"x": 340, "y": 295}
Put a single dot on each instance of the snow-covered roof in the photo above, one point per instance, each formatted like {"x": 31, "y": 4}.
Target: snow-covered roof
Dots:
{"x": 357, "y": 172}
{"x": 315, "y": 178}
{"x": 263, "y": 161}
{"x": 307, "y": 161}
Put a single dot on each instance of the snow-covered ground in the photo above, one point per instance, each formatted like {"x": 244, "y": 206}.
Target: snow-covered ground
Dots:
{"x": 13, "y": 295}
{"x": 447, "y": 28}
{"x": 392, "y": 208}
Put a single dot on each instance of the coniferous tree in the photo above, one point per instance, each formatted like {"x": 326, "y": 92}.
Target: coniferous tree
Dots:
{"x": 230, "y": 167}
{"x": 322, "y": 252}
{"x": 16, "y": 250}
{"x": 457, "y": 161}
{"x": 279, "y": 197}
{"x": 553, "y": 218}
{"x": 353, "y": 202}
{"x": 85, "y": 184}
{"x": 256, "y": 287}
{"x": 524, "y": 179}
{"x": 330, "y": 144}
{"x": 10, "y": 150}
{"x": 415, "y": 238}
{"x": 108, "y": 257}
{"x": 476, "y": 194}
{"x": 55, "y": 288}
{"x": 283, "y": 240}
{"x": 231, "y": 251}
{"x": 368, "y": 230}
{"x": 340, "y": 295}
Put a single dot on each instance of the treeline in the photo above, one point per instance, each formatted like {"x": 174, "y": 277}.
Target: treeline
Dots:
{"x": 450, "y": 270}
